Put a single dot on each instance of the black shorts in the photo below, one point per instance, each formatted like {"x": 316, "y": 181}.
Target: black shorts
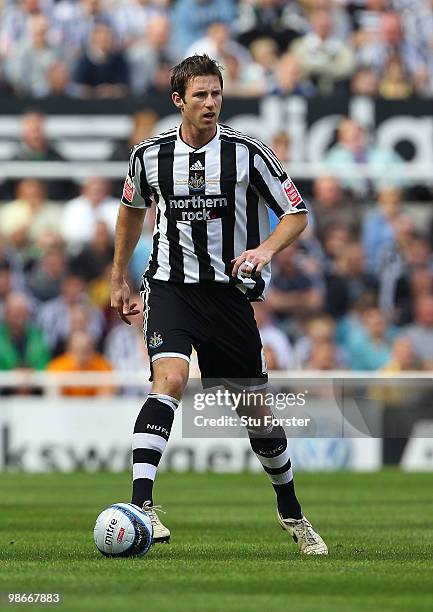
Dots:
{"x": 214, "y": 318}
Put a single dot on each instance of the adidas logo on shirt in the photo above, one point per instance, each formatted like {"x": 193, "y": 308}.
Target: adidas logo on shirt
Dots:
{"x": 197, "y": 166}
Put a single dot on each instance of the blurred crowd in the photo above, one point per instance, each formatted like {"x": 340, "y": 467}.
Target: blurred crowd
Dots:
{"x": 354, "y": 293}
{"x": 115, "y": 48}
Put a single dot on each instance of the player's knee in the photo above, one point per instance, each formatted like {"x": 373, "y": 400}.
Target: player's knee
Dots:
{"x": 170, "y": 381}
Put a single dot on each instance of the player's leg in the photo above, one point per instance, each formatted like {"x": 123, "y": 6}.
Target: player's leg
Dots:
{"x": 169, "y": 348}
{"x": 237, "y": 357}
{"x": 269, "y": 443}
{"x": 271, "y": 449}
{"x": 235, "y": 354}
{"x": 153, "y": 425}
{"x": 151, "y": 433}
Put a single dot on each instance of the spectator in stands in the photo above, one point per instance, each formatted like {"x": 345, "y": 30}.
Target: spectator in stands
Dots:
{"x": 402, "y": 356}
{"x": 366, "y": 17}
{"x": 392, "y": 271}
{"x": 130, "y": 19}
{"x": 351, "y": 324}
{"x": 73, "y": 23}
{"x": 347, "y": 280}
{"x": 80, "y": 215}
{"x": 10, "y": 262}
{"x": 44, "y": 280}
{"x": 378, "y": 226}
{"x": 282, "y": 21}
{"x": 59, "y": 80}
{"x": 102, "y": 71}
{"x": 54, "y": 317}
{"x": 265, "y": 54}
{"x": 420, "y": 332}
{"x": 288, "y": 79}
{"x": 30, "y": 213}
{"x": 34, "y": 145}
{"x": 14, "y": 21}
{"x": 418, "y": 252}
{"x": 5, "y": 284}
{"x": 391, "y": 41}
{"x": 22, "y": 345}
{"x": 281, "y": 146}
{"x": 323, "y": 357}
{"x": 324, "y": 59}
{"x": 81, "y": 357}
{"x": 395, "y": 83}
{"x": 94, "y": 256}
{"x": 27, "y": 67}
{"x": 191, "y": 18}
{"x": 273, "y": 338}
{"x": 365, "y": 82}
{"x": 318, "y": 330}
{"x": 99, "y": 292}
{"x": 143, "y": 125}
{"x": 217, "y": 43}
{"x": 351, "y": 149}
{"x": 146, "y": 53}
{"x": 238, "y": 81}
{"x": 161, "y": 79}
{"x": 370, "y": 347}
{"x": 292, "y": 291}
{"x": 420, "y": 284}
{"x": 402, "y": 359}
{"x": 331, "y": 206}
{"x": 336, "y": 239}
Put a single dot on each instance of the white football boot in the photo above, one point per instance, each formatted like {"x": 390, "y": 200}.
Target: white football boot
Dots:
{"x": 160, "y": 531}
{"x": 309, "y": 541}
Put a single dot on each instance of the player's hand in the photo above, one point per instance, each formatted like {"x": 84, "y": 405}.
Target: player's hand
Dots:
{"x": 120, "y": 300}
{"x": 254, "y": 259}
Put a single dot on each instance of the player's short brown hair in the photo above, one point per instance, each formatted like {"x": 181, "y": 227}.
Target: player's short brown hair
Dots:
{"x": 190, "y": 67}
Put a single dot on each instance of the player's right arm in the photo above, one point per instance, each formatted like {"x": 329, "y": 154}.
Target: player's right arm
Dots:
{"x": 136, "y": 198}
{"x": 128, "y": 231}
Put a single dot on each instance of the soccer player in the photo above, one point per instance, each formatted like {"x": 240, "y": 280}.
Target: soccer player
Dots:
{"x": 211, "y": 252}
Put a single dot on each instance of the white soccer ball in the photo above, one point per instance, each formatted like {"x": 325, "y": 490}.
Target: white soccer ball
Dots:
{"x": 123, "y": 530}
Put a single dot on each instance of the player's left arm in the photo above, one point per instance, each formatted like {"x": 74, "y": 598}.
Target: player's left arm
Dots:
{"x": 280, "y": 194}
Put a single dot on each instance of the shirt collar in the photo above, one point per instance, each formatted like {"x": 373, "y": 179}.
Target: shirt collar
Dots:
{"x": 206, "y": 146}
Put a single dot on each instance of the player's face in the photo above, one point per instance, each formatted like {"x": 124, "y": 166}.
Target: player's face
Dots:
{"x": 202, "y": 102}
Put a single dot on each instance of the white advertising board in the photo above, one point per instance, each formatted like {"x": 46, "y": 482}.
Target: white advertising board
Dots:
{"x": 43, "y": 434}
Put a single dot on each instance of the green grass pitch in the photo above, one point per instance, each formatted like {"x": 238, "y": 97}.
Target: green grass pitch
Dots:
{"x": 227, "y": 552}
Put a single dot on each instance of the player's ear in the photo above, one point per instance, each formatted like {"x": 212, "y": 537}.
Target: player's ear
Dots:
{"x": 177, "y": 100}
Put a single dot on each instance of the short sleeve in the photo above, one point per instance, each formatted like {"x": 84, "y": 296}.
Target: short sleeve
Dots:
{"x": 277, "y": 189}
{"x": 137, "y": 192}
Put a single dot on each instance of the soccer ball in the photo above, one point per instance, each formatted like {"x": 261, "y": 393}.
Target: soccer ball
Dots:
{"x": 123, "y": 530}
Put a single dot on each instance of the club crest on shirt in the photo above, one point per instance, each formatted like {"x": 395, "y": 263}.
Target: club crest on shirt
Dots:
{"x": 196, "y": 181}
{"x": 155, "y": 340}
{"x": 291, "y": 192}
{"x": 128, "y": 189}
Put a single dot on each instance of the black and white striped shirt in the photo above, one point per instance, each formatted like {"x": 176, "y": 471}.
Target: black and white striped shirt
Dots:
{"x": 211, "y": 204}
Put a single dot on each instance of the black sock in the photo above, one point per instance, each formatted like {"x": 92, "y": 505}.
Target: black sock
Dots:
{"x": 272, "y": 452}
{"x": 151, "y": 433}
